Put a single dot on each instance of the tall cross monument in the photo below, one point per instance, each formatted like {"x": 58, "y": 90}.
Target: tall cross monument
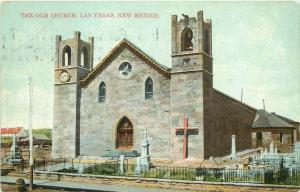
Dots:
{"x": 185, "y": 131}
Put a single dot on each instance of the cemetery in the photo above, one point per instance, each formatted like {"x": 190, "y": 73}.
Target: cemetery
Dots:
{"x": 267, "y": 167}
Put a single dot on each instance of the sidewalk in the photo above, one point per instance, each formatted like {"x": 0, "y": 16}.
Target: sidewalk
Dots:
{"x": 84, "y": 186}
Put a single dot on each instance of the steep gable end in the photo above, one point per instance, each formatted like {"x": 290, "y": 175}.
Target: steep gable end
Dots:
{"x": 117, "y": 49}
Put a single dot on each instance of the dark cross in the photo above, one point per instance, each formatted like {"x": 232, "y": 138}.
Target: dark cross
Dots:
{"x": 185, "y": 131}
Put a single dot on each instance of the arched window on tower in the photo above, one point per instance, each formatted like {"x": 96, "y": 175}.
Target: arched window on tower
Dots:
{"x": 66, "y": 56}
{"x": 186, "y": 39}
{"x": 102, "y": 93}
{"x": 84, "y": 57}
{"x": 149, "y": 88}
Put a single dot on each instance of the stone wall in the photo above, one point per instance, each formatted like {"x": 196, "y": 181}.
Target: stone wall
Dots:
{"x": 269, "y": 135}
{"x": 231, "y": 117}
{"x": 64, "y": 121}
{"x": 126, "y": 97}
{"x": 187, "y": 100}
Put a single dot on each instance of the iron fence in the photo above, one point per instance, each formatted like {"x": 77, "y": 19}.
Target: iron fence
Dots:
{"x": 287, "y": 176}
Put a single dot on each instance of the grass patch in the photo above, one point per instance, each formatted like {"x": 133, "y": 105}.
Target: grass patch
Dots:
{"x": 102, "y": 169}
{"x": 43, "y": 131}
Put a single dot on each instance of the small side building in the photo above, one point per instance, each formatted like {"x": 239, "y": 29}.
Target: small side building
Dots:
{"x": 268, "y": 127}
{"x": 291, "y": 122}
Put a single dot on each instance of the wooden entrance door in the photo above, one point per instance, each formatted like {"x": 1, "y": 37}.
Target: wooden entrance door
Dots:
{"x": 124, "y": 134}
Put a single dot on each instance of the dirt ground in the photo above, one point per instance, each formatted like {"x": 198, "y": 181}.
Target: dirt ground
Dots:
{"x": 12, "y": 188}
{"x": 202, "y": 188}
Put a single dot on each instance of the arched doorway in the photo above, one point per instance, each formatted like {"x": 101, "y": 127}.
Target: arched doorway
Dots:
{"x": 124, "y": 134}
{"x": 258, "y": 139}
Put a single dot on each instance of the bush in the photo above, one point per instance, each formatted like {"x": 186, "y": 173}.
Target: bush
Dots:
{"x": 68, "y": 170}
{"x": 101, "y": 169}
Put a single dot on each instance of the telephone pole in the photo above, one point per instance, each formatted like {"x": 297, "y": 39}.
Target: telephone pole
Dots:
{"x": 242, "y": 94}
{"x": 1, "y": 97}
{"x": 30, "y": 135}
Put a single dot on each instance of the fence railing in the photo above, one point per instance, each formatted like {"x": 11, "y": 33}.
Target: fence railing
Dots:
{"x": 287, "y": 176}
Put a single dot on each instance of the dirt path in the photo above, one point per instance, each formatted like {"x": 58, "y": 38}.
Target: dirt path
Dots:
{"x": 190, "y": 188}
{"x": 12, "y": 188}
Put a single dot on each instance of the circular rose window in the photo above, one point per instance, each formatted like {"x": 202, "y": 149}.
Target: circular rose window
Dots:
{"x": 125, "y": 69}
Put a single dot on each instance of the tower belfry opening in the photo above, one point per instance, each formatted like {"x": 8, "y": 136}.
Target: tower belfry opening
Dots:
{"x": 186, "y": 39}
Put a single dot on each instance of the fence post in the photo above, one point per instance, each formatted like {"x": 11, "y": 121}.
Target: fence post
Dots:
{"x": 44, "y": 163}
{"x": 22, "y": 164}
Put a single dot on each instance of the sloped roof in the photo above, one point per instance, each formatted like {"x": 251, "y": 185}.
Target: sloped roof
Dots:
{"x": 40, "y": 136}
{"x": 264, "y": 119}
{"x": 117, "y": 49}
{"x": 234, "y": 100}
{"x": 10, "y": 131}
{"x": 284, "y": 118}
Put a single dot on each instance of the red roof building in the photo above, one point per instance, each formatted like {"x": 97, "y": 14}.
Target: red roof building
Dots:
{"x": 19, "y": 131}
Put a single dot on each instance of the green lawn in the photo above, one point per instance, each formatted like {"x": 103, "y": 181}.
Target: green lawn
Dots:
{"x": 44, "y": 131}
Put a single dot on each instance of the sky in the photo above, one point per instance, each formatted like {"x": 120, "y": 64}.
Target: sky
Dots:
{"x": 256, "y": 46}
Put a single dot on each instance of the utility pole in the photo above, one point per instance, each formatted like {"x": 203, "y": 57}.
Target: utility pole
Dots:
{"x": 1, "y": 97}
{"x": 264, "y": 104}
{"x": 30, "y": 135}
{"x": 242, "y": 94}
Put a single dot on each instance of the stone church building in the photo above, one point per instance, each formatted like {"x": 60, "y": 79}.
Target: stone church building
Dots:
{"x": 108, "y": 106}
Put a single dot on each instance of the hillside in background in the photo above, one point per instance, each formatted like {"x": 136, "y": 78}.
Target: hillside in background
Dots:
{"x": 43, "y": 131}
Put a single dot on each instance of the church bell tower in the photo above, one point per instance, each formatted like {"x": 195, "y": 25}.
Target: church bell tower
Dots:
{"x": 73, "y": 60}
{"x": 192, "y": 85}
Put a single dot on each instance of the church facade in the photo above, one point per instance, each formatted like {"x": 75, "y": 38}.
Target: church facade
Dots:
{"x": 108, "y": 106}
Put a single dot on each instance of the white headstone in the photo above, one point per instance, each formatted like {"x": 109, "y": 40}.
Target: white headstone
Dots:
{"x": 145, "y": 157}
{"x": 137, "y": 170}
{"x": 233, "y": 147}
{"x": 121, "y": 164}
{"x": 272, "y": 148}
{"x": 13, "y": 147}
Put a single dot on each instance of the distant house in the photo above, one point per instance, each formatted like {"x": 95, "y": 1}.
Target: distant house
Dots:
{"x": 11, "y": 133}
{"x": 38, "y": 139}
{"x": 17, "y": 131}
{"x": 268, "y": 127}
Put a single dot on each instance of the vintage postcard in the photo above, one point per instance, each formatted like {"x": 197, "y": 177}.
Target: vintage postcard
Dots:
{"x": 137, "y": 96}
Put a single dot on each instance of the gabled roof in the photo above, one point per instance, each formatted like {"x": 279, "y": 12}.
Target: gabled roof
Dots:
{"x": 264, "y": 119}
{"x": 285, "y": 118}
{"x": 117, "y": 49}
{"x": 241, "y": 104}
{"x": 10, "y": 131}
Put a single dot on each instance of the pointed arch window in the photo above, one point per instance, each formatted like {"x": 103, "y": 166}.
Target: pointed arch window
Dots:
{"x": 186, "y": 39}
{"x": 102, "y": 92}
{"x": 84, "y": 57}
{"x": 66, "y": 56}
{"x": 149, "y": 88}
